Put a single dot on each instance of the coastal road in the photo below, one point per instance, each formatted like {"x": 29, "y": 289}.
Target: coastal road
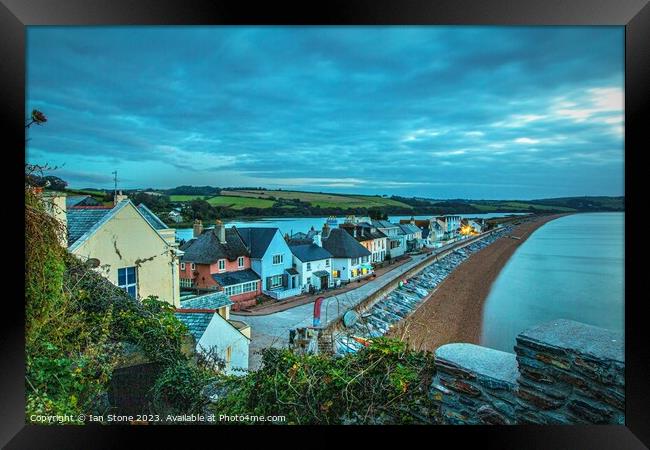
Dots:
{"x": 272, "y": 330}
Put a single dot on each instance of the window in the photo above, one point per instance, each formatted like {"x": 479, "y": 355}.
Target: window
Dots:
{"x": 276, "y": 281}
{"x": 222, "y": 265}
{"x": 127, "y": 279}
{"x": 243, "y": 288}
{"x": 193, "y": 266}
{"x": 355, "y": 261}
{"x": 240, "y": 262}
{"x": 277, "y": 259}
{"x": 336, "y": 273}
{"x": 327, "y": 262}
{"x": 308, "y": 266}
{"x": 182, "y": 266}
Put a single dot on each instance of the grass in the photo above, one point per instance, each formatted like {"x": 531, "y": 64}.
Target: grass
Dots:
{"x": 520, "y": 206}
{"x": 240, "y": 202}
{"x": 319, "y": 199}
{"x": 187, "y": 198}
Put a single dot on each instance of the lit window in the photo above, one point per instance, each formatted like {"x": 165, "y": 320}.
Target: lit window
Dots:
{"x": 277, "y": 259}
{"x": 222, "y": 265}
{"x": 240, "y": 262}
{"x": 127, "y": 279}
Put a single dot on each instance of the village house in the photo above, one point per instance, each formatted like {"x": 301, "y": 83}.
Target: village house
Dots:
{"x": 450, "y": 225}
{"x": 350, "y": 259}
{"x": 396, "y": 239}
{"x": 175, "y": 216}
{"x": 207, "y": 318}
{"x": 412, "y": 236}
{"x": 129, "y": 245}
{"x": 431, "y": 231}
{"x": 368, "y": 236}
{"x": 272, "y": 261}
{"x": 313, "y": 263}
{"x": 217, "y": 258}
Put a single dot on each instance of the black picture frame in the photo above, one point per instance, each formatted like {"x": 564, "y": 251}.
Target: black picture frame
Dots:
{"x": 15, "y": 15}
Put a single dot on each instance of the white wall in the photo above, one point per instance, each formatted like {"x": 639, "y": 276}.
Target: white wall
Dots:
{"x": 221, "y": 334}
{"x": 305, "y": 275}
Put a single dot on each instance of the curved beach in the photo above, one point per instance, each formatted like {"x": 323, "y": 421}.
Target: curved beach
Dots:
{"x": 454, "y": 311}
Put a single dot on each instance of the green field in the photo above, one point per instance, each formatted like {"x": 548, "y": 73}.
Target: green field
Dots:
{"x": 319, "y": 199}
{"x": 518, "y": 206}
{"x": 187, "y": 198}
{"x": 240, "y": 202}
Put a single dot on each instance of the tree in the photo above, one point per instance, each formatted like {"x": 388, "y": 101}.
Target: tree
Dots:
{"x": 376, "y": 213}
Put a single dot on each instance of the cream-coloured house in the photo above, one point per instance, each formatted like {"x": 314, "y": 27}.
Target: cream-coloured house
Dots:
{"x": 135, "y": 249}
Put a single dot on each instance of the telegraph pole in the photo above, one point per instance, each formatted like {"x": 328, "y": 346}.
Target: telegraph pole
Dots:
{"x": 115, "y": 188}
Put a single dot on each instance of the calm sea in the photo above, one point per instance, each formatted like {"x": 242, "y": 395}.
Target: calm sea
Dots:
{"x": 296, "y": 224}
{"x": 570, "y": 268}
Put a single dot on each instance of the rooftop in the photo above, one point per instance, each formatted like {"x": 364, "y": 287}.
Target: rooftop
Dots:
{"x": 257, "y": 239}
{"x": 233, "y": 278}
{"x": 309, "y": 252}
{"x": 206, "y": 248}
{"x": 196, "y": 322}
{"x": 212, "y": 301}
{"x": 341, "y": 244}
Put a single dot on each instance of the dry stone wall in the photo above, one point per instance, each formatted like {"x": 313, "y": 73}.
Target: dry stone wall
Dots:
{"x": 562, "y": 372}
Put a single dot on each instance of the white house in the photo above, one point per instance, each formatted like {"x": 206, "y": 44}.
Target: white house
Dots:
{"x": 396, "y": 239}
{"x": 369, "y": 236}
{"x": 350, "y": 259}
{"x": 313, "y": 263}
{"x": 207, "y": 318}
{"x": 412, "y": 235}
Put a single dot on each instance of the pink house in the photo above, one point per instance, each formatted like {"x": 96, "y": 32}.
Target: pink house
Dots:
{"x": 217, "y": 259}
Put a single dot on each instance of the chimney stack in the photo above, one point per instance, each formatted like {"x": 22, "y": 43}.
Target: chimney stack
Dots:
{"x": 198, "y": 228}
{"x": 412, "y": 220}
{"x": 317, "y": 240}
{"x": 119, "y": 197}
{"x": 326, "y": 230}
{"x": 220, "y": 231}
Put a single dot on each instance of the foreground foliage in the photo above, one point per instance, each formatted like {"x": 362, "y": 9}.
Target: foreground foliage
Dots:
{"x": 77, "y": 324}
{"x": 383, "y": 384}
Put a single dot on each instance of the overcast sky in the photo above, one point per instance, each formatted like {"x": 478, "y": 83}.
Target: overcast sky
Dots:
{"x": 441, "y": 112}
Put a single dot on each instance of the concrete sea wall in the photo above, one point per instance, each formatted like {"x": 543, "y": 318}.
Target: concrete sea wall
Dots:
{"x": 562, "y": 372}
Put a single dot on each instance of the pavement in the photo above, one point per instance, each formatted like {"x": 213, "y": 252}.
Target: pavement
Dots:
{"x": 272, "y": 330}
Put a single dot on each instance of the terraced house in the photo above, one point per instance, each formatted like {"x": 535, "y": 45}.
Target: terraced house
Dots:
{"x": 350, "y": 259}
{"x": 368, "y": 236}
{"x": 272, "y": 261}
{"x": 396, "y": 239}
{"x": 217, "y": 258}
{"x": 313, "y": 263}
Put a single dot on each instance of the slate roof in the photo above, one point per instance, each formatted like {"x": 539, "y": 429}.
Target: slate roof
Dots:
{"x": 81, "y": 220}
{"x": 309, "y": 252}
{"x": 150, "y": 217}
{"x": 292, "y": 271}
{"x": 341, "y": 244}
{"x": 408, "y": 228}
{"x": 232, "y": 278}
{"x": 321, "y": 273}
{"x": 212, "y": 301}
{"x": 383, "y": 224}
{"x": 257, "y": 239}
{"x": 196, "y": 322}
{"x": 365, "y": 232}
{"x": 206, "y": 248}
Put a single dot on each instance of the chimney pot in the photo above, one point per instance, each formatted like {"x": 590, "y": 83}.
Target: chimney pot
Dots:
{"x": 220, "y": 231}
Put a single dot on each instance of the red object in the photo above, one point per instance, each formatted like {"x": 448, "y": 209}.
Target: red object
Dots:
{"x": 317, "y": 305}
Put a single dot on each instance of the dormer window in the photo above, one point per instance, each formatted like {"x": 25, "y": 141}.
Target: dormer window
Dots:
{"x": 221, "y": 264}
{"x": 240, "y": 262}
{"x": 193, "y": 266}
{"x": 182, "y": 266}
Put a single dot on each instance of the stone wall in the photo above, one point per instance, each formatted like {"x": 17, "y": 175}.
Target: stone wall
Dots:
{"x": 562, "y": 372}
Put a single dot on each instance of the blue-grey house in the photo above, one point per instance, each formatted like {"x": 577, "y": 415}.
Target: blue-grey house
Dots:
{"x": 272, "y": 260}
